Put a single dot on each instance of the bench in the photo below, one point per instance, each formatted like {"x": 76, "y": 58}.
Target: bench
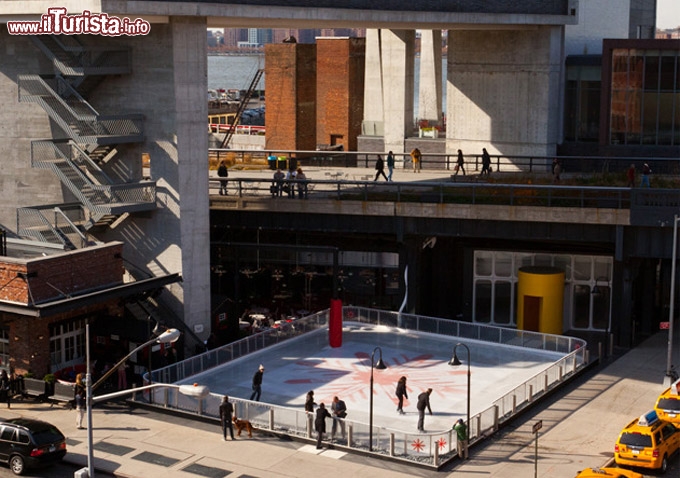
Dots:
{"x": 63, "y": 393}
{"x": 34, "y": 387}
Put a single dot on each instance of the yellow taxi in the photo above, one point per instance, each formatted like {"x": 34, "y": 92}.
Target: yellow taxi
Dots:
{"x": 667, "y": 406}
{"x": 608, "y": 473}
{"x": 647, "y": 442}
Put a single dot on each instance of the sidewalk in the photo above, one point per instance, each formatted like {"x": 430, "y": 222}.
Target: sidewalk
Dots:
{"x": 580, "y": 426}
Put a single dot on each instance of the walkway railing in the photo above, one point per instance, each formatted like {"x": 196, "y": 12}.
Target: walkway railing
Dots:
{"x": 441, "y": 192}
{"x": 431, "y": 449}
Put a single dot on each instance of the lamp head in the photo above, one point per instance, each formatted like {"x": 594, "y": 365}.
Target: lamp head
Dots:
{"x": 169, "y": 336}
{"x": 455, "y": 361}
{"x": 380, "y": 365}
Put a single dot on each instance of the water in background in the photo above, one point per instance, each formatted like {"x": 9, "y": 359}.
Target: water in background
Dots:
{"x": 232, "y": 71}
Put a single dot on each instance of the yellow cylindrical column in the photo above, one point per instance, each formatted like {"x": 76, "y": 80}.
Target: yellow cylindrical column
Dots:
{"x": 540, "y": 299}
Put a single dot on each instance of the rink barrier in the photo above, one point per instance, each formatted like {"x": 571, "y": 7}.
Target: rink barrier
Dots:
{"x": 430, "y": 450}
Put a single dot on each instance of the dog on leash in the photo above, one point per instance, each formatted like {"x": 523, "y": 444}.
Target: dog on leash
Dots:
{"x": 243, "y": 425}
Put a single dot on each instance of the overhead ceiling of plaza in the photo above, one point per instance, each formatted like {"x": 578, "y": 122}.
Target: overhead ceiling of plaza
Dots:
{"x": 395, "y": 14}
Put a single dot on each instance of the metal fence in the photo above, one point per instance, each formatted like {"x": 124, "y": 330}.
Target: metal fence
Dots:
{"x": 431, "y": 449}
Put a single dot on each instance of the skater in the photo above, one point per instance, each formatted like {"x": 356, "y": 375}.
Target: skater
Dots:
{"x": 320, "y": 423}
{"x": 423, "y": 403}
{"x": 257, "y": 384}
{"x": 226, "y": 414}
{"x": 401, "y": 394}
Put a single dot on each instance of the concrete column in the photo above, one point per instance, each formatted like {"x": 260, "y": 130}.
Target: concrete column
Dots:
{"x": 503, "y": 90}
{"x": 190, "y": 72}
{"x": 430, "y": 84}
{"x": 397, "y": 69}
{"x": 372, "y": 124}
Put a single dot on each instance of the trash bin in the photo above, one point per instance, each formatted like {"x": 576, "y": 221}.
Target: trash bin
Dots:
{"x": 272, "y": 162}
{"x": 282, "y": 163}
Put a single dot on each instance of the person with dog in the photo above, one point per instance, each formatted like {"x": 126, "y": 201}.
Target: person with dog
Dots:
{"x": 226, "y": 414}
{"x": 339, "y": 410}
{"x": 320, "y": 423}
{"x": 257, "y": 384}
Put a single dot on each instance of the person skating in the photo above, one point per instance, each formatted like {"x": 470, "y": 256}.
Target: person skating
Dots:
{"x": 401, "y": 394}
{"x": 257, "y": 384}
{"x": 423, "y": 403}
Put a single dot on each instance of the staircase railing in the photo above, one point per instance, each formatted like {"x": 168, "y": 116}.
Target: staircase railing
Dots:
{"x": 62, "y": 228}
{"x": 242, "y": 107}
{"x": 84, "y": 125}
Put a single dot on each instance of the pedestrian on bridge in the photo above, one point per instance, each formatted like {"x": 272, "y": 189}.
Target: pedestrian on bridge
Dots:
{"x": 380, "y": 168}
{"x": 460, "y": 163}
{"x": 223, "y": 172}
{"x": 390, "y": 165}
{"x": 486, "y": 162}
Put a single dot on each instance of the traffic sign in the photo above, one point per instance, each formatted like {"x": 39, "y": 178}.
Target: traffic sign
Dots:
{"x": 537, "y": 426}
{"x": 664, "y": 325}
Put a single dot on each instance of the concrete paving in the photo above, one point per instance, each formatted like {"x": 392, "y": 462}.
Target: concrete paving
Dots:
{"x": 580, "y": 426}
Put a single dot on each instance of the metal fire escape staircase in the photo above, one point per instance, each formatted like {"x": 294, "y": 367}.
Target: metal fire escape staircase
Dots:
{"x": 83, "y": 142}
{"x": 242, "y": 106}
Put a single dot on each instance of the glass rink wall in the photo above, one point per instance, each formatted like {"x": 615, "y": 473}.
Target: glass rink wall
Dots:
{"x": 510, "y": 370}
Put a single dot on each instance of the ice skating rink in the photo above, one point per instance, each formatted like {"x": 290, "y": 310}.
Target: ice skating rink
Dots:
{"x": 306, "y": 363}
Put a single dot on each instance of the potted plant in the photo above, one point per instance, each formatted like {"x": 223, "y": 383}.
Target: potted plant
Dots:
{"x": 49, "y": 380}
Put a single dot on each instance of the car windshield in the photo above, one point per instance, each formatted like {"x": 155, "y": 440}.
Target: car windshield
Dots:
{"x": 636, "y": 439}
{"x": 669, "y": 404}
{"x": 46, "y": 435}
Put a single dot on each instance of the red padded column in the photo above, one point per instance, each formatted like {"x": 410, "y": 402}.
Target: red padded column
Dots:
{"x": 335, "y": 323}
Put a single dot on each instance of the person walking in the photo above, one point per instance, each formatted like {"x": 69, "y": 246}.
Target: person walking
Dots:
{"x": 423, "y": 403}
{"x": 339, "y": 410}
{"x": 309, "y": 402}
{"x": 223, "y": 172}
{"x": 320, "y": 423}
{"x": 630, "y": 174}
{"x": 486, "y": 162}
{"x": 257, "y": 384}
{"x": 646, "y": 171}
{"x": 401, "y": 394}
{"x": 390, "y": 165}
{"x": 556, "y": 170}
{"x": 462, "y": 439}
{"x": 226, "y": 415}
{"x": 380, "y": 168}
{"x": 460, "y": 163}
{"x": 6, "y": 395}
{"x": 416, "y": 156}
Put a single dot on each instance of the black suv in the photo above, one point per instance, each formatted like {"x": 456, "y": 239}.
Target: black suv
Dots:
{"x": 27, "y": 443}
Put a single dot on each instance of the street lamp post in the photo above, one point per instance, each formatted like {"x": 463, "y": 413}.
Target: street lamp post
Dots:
{"x": 669, "y": 358}
{"x": 380, "y": 366}
{"x": 169, "y": 336}
{"x": 455, "y": 362}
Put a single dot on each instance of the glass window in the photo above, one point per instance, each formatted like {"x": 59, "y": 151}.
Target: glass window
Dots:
{"x": 503, "y": 266}
{"x": 601, "y": 307}
{"x": 542, "y": 260}
{"x": 581, "y": 306}
{"x": 581, "y": 268}
{"x": 667, "y": 72}
{"x": 23, "y": 437}
{"x": 502, "y": 304}
{"x": 7, "y": 433}
{"x": 652, "y": 71}
{"x": 563, "y": 263}
{"x": 483, "y": 264}
{"x": 483, "y": 301}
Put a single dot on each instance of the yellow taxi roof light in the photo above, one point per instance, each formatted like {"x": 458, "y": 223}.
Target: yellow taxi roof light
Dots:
{"x": 648, "y": 419}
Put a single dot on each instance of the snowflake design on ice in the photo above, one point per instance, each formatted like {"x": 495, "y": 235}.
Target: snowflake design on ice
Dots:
{"x": 348, "y": 380}
{"x": 418, "y": 444}
{"x": 441, "y": 443}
